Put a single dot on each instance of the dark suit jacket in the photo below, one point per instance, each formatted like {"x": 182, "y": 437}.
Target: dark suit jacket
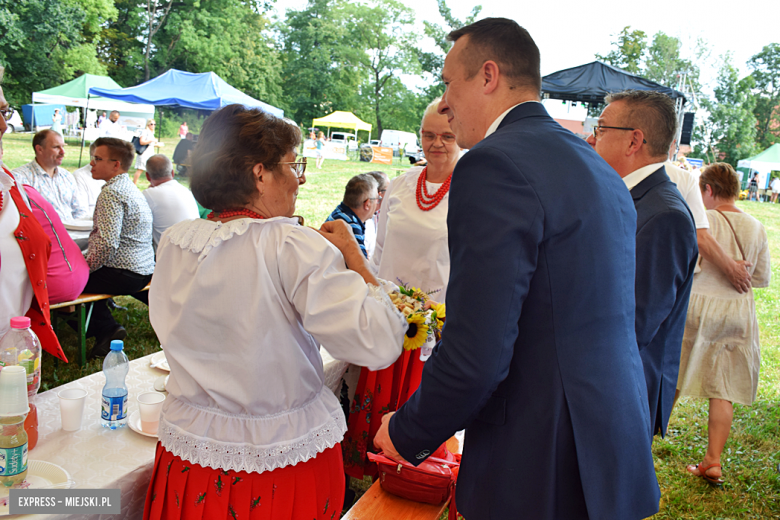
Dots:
{"x": 666, "y": 254}
{"x": 538, "y": 358}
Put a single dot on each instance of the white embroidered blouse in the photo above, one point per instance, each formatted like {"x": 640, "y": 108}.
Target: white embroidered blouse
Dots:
{"x": 411, "y": 244}
{"x": 241, "y": 309}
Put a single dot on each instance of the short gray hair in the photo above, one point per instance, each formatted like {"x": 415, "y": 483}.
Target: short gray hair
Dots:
{"x": 651, "y": 112}
{"x": 159, "y": 167}
{"x": 381, "y": 178}
{"x": 358, "y": 189}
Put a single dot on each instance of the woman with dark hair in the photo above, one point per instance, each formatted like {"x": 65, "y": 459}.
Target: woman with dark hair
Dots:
{"x": 241, "y": 303}
{"x": 721, "y": 354}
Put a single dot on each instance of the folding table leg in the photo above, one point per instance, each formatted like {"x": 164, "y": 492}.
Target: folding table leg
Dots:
{"x": 83, "y": 324}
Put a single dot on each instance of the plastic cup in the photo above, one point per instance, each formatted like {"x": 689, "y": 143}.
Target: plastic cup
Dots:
{"x": 72, "y": 408}
{"x": 150, "y": 406}
{"x": 13, "y": 391}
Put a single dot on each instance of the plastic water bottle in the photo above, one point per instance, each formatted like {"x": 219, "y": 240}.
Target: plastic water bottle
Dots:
{"x": 20, "y": 346}
{"x": 115, "y": 368}
{"x": 13, "y": 438}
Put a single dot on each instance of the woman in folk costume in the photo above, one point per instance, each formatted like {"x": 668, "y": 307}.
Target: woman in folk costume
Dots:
{"x": 242, "y": 302}
{"x": 411, "y": 250}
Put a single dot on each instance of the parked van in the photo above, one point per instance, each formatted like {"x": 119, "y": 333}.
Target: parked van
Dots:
{"x": 400, "y": 140}
{"x": 350, "y": 140}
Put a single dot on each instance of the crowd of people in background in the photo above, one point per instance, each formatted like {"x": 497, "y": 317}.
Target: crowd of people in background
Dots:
{"x": 589, "y": 284}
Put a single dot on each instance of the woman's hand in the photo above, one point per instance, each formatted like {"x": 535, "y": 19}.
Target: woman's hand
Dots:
{"x": 338, "y": 233}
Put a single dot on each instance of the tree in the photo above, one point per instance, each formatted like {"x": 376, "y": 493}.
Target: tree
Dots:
{"x": 730, "y": 130}
{"x": 383, "y": 43}
{"x": 317, "y": 75}
{"x": 765, "y": 68}
{"x": 433, "y": 62}
{"x": 664, "y": 65}
{"x": 39, "y": 54}
{"x": 630, "y": 47}
{"x": 228, "y": 37}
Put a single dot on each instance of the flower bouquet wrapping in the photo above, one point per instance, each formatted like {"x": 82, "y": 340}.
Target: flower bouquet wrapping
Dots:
{"x": 424, "y": 316}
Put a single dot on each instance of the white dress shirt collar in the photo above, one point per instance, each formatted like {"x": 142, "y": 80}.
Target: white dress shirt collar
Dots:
{"x": 637, "y": 176}
{"x": 492, "y": 128}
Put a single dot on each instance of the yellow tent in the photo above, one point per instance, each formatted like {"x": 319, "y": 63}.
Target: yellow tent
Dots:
{"x": 341, "y": 119}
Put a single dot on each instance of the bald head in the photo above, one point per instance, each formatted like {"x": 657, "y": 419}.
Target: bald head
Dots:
{"x": 159, "y": 168}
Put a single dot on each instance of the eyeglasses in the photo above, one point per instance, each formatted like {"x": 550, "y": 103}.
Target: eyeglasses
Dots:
{"x": 431, "y": 136}
{"x": 298, "y": 167}
{"x": 98, "y": 159}
{"x": 7, "y": 113}
{"x": 597, "y": 130}
{"x": 372, "y": 198}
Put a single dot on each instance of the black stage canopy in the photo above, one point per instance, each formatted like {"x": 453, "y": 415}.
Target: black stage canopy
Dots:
{"x": 591, "y": 82}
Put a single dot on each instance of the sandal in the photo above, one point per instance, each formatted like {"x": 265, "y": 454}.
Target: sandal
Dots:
{"x": 713, "y": 481}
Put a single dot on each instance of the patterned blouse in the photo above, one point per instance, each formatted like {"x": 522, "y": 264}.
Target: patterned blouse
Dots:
{"x": 122, "y": 235}
{"x": 60, "y": 190}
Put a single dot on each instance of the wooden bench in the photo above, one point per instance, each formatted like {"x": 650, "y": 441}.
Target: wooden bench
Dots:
{"x": 377, "y": 504}
{"x": 77, "y": 309}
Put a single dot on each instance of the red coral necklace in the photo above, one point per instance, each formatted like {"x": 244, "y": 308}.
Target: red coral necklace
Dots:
{"x": 426, "y": 201}
{"x": 234, "y": 213}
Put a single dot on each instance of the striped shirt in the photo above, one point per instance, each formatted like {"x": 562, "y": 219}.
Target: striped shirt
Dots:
{"x": 343, "y": 212}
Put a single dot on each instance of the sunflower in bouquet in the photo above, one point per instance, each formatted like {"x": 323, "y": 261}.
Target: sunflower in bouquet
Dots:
{"x": 425, "y": 321}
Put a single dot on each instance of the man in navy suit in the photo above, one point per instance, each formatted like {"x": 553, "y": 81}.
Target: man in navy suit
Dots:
{"x": 538, "y": 359}
{"x": 633, "y": 135}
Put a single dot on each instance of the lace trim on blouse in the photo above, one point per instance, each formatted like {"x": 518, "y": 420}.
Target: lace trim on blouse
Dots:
{"x": 249, "y": 458}
{"x": 201, "y": 236}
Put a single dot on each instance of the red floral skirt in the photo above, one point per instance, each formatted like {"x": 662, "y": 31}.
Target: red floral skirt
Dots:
{"x": 377, "y": 393}
{"x": 180, "y": 490}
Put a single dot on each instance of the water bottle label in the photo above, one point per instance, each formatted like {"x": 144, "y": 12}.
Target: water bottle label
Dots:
{"x": 114, "y": 408}
{"x": 13, "y": 460}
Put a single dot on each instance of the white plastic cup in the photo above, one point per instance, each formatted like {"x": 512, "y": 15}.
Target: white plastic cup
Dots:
{"x": 150, "y": 406}
{"x": 72, "y": 408}
{"x": 13, "y": 391}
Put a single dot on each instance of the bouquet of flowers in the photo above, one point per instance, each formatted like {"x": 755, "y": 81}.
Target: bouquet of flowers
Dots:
{"x": 424, "y": 316}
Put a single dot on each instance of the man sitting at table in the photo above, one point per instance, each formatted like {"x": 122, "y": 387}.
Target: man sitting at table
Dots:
{"x": 169, "y": 201}
{"x": 360, "y": 202}
{"x": 120, "y": 258}
{"x": 55, "y": 183}
{"x": 87, "y": 188}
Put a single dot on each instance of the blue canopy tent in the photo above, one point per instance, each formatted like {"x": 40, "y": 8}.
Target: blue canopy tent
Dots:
{"x": 176, "y": 88}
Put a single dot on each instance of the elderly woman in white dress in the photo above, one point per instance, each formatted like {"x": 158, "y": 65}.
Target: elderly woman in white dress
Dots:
{"x": 146, "y": 139}
{"x": 241, "y": 302}
{"x": 412, "y": 250}
{"x": 720, "y": 353}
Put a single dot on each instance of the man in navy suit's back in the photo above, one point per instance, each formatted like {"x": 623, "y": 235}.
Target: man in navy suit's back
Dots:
{"x": 538, "y": 360}
{"x": 634, "y": 134}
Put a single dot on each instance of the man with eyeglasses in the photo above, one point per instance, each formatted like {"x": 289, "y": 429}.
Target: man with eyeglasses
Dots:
{"x": 51, "y": 180}
{"x": 120, "y": 257}
{"x": 633, "y": 135}
{"x": 371, "y": 224}
{"x": 361, "y": 199}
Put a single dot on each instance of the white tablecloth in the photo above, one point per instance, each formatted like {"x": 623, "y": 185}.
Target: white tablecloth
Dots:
{"x": 96, "y": 457}
{"x": 99, "y": 458}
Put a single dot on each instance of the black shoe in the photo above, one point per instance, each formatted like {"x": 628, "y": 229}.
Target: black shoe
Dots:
{"x": 103, "y": 345}
{"x": 113, "y": 305}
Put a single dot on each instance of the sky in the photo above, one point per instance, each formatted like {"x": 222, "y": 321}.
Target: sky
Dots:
{"x": 570, "y": 33}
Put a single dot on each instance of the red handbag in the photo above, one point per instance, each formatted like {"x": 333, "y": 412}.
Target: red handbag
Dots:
{"x": 432, "y": 482}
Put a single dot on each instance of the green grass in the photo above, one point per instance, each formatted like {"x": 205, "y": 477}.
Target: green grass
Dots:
{"x": 752, "y": 490}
